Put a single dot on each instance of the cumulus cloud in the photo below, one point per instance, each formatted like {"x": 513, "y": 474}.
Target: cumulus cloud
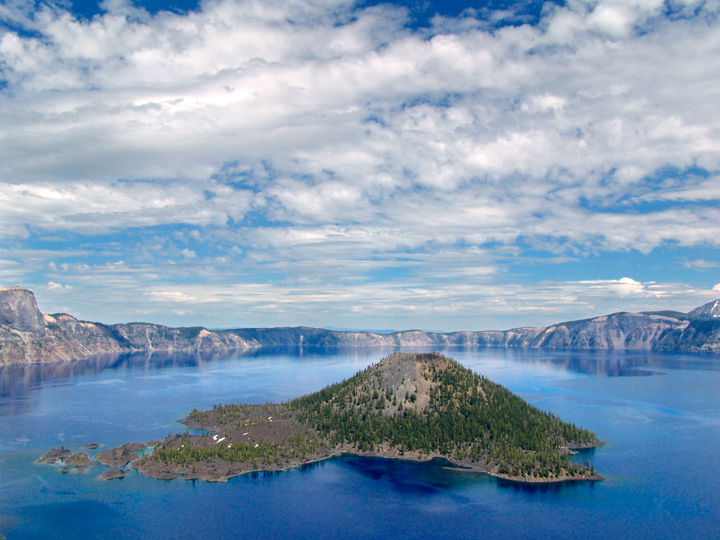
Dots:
{"x": 292, "y": 137}
{"x": 51, "y": 285}
{"x": 442, "y": 304}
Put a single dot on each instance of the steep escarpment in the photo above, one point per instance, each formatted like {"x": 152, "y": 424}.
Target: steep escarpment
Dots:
{"x": 19, "y": 310}
{"x": 664, "y": 331}
{"x": 28, "y": 336}
{"x": 136, "y": 336}
{"x": 320, "y": 337}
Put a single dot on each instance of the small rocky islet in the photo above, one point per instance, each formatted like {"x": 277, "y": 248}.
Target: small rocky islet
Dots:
{"x": 54, "y": 455}
{"x": 80, "y": 462}
{"x": 81, "y": 459}
{"x": 122, "y": 455}
{"x": 92, "y": 446}
{"x": 112, "y": 474}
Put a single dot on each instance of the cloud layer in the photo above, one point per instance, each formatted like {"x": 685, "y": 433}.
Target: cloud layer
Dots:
{"x": 314, "y": 142}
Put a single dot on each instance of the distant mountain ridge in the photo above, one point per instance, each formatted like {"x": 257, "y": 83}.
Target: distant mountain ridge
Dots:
{"x": 28, "y": 336}
{"x": 709, "y": 311}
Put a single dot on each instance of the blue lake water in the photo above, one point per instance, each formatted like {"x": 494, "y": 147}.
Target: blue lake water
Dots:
{"x": 659, "y": 413}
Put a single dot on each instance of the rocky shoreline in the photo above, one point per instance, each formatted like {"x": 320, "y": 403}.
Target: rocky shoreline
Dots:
{"x": 217, "y": 470}
{"x": 81, "y": 462}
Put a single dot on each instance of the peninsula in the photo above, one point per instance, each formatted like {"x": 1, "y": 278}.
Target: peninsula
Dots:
{"x": 415, "y": 406}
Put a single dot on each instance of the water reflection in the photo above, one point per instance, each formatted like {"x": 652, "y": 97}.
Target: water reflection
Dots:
{"x": 596, "y": 363}
{"x": 615, "y": 363}
{"x": 18, "y": 382}
{"x": 424, "y": 478}
{"x": 15, "y": 380}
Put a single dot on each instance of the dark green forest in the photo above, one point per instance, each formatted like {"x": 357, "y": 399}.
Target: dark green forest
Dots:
{"x": 468, "y": 417}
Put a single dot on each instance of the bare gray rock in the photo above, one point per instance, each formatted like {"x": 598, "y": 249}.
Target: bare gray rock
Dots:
{"x": 54, "y": 455}
{"x": 112, "y": 475}
{"x": 19, "y": 311}
{"x": 81, "y": 459}
{"x": 120, "y": 456}
{"x": 154, "y": 469}
{"x": 135, "y": 446}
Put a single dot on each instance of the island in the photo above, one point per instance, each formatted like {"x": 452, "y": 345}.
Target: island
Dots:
{"x": 54, "y": 455}
{"x": 413, "y": 406}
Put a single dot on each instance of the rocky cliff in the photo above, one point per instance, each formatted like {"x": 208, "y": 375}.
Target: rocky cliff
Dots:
{"x": 64, "y": 337}
{"x": 662, "y": 331}
{"x": 19, "y": 310}
{"x": 28, "y": 336}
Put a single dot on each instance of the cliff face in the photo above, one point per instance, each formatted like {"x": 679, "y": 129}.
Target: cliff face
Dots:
{"x": 66, "y": 338}
{"x": 136, "y": 336}
{"x": 19, "y": 310}
{"x": 620, "y": 331}
{"x": 28, "y": 336}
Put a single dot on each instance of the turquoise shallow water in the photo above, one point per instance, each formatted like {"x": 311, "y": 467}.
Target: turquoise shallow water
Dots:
{"x": 659, "y": 413}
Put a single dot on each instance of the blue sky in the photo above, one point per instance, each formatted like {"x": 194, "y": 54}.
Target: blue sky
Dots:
{"x": 445, "y": 166}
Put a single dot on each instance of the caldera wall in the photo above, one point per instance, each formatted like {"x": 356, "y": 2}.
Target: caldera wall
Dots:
{"x": 28, "y": 336}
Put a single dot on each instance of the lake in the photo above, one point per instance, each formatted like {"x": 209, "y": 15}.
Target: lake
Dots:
{"x": 659, "y": 414}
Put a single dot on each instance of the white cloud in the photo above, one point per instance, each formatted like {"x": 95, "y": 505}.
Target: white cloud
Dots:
{"x": 171, "y": 296}
{"x": 95, "y": 208}
{"x": 612, "y": 19}
{"x": 178, "y": 95}
{"x": 51, "y": 285}
{"x": 12, "y": 272}
{"x": 621, "y": 287}
{"x": 325, "y": 143}
{"x": 701, "y": 263}
{"x": 447, "y": 304}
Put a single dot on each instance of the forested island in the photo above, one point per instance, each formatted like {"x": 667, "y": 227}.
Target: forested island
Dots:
{"x": 418, "y": 406}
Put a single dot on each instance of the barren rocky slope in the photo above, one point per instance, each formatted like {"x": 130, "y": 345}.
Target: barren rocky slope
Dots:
{"x": 28, "y": 336}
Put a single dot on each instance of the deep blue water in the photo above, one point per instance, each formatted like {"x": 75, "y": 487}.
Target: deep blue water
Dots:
{"x": 659, "y": 413}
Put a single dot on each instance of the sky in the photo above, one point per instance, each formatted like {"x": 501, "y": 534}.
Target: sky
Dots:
{"x": 443, "y": 166}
